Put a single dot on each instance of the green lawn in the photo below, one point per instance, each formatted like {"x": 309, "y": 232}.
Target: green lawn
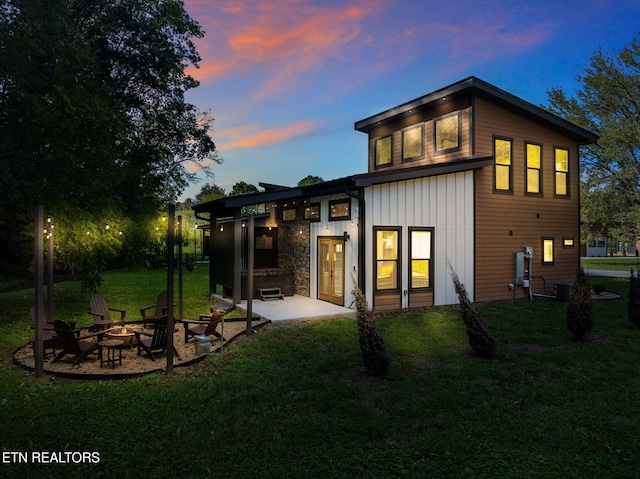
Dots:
{"x": 615, "y": 263}
{"x": 294, "y": 402}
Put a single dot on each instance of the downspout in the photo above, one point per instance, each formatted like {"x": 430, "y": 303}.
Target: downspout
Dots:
{"x": 361, "y": 230}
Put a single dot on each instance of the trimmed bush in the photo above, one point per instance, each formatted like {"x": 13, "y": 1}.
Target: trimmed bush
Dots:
{"x": 580, "y": 309}
{"x": 480, "y": 338}
{"x": 633, "y": 307}
{"x": 374, "y": 352}
{"x": 598, "y": 288}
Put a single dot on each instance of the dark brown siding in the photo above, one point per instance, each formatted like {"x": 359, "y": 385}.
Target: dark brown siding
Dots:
{"x": 386, "y": 302}
{"x": 428, "y": 134}
{"x": 506, "y": 223}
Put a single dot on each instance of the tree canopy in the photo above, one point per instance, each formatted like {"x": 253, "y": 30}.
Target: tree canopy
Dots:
{"x": 243, "y": 188}
{"x": 608, "y": 104}
{"x": 310, "y": 180}
{"x": 93, "y": 118}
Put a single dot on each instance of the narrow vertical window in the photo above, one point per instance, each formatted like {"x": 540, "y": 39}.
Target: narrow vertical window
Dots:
{"x": 534, "y": 166}
{"x": 383, "y": 151}
{"x": 387, "y": 259}
{"x": 547, "y": 251}
{"x": 447, "y": 133}
{"x": 412, "y": 145}
{"x": 420, "y": 244}
{"x": 503, "y": 161}
{"x": 562, "y": 171}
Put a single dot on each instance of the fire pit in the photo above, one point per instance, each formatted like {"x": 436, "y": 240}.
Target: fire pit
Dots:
{"x": 125, "y": 334}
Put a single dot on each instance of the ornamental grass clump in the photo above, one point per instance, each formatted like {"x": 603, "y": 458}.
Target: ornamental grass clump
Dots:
{"x": 374, "y": 352}
{"x": 580, "y": 309}
{"x": 480, "y": 339}
{"x": 633, "y": 307}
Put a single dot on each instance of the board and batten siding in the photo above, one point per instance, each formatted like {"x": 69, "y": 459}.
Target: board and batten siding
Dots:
{"x": 506, "y": 223}
{"x": 443, "y": 202}
{"x": 329, "y": 229}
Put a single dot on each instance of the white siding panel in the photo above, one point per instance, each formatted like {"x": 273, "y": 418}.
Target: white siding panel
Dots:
{"x": 444, "y": 202}
{"x": 324, "y": 228}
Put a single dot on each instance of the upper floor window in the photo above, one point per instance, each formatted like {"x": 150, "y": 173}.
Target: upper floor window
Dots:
{"x": 383, "y": 151}
{"x": 534, "y": 168}
{"x": 562, "y": 171}
{"x": 447, "y": 133}
{"x": 412, "y": 145}
{"x": 502, "y": 152}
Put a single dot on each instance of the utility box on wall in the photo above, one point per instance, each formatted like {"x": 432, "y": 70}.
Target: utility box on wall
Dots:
{"x": 518, "y": 267}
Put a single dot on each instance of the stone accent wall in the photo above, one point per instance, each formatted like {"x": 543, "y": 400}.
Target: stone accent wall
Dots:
{"x": 294, "y": 253}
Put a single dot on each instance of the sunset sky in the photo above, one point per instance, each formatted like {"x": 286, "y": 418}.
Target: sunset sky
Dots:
{"x": 287, "y": 79}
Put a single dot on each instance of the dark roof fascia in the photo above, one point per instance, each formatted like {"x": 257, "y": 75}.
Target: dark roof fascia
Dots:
{"x": 376, "y": 178}
{"x": 229, "y": 203}
{"x": 473, "y": 85}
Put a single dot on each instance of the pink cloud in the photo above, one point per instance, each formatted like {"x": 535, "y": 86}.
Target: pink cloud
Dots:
{"x": 253, "y": 136}
{"x": 277, "y": 40}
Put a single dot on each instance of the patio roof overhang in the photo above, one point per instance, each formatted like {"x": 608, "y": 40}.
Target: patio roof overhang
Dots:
{"x": 228, "y": 206}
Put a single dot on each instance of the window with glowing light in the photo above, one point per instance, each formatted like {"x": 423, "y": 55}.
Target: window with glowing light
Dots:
{"x": 383, "y": 152}
{"x": 421, "y": 247}
{"x": 534, "y": 168}
{"x": 547, "y": 251}
{"x": 387, "y": 254}
{"x": 412, "y": 144}
{"x": 502, "y": 152}
{"x": 562, "y": 171}
{"x": 312, "y": 212}
{"x": 339, "y": 210}
{"x": 447, "y": 133}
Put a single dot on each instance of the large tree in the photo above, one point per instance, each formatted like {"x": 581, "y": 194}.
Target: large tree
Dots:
{"x": 608, "y": 103}
{"x": 93, "y": 118}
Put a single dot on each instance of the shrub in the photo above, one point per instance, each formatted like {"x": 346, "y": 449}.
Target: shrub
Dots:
{"x": 480, "y": 339}
{"x": 598, "y": 288}
{"x": 374, "y": 353}
{"x": 580, "y": 309}
{"x": 633, "y": 307}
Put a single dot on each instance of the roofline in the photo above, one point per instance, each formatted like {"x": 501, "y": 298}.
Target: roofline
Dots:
{"x": 378, "y": 177}
{"x": 279, "y": 193}
{"x": 474, "y": 85}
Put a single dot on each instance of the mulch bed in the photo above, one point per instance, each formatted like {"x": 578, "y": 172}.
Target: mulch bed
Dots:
{"x": 132, "y": 364}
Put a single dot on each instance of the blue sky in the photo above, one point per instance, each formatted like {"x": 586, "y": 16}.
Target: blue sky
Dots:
{"x": 287, "y": 79}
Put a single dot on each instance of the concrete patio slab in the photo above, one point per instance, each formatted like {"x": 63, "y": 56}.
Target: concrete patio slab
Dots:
{"x": 295, "y": 307}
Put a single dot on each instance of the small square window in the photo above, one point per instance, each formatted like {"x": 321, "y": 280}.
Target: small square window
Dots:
{"x": 412, "y": 145}
{"x": 339, "y": 210}
{"x": 312, "y": 212}
{"x": 447, "y": 133}
{"x": 289, "y": 214}
{"x": 383, "y": 151}
{"x": 568, "y": 242}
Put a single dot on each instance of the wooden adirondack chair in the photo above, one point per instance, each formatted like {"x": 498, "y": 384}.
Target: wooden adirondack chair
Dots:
{"x": 72, "y": 344}
{"x": 156, "y": 341}
{"x": 101, "y": 315}
{"x": 160, "y": 310}
{"x": 207, "y": 327}
{"x": 49, "y": 338}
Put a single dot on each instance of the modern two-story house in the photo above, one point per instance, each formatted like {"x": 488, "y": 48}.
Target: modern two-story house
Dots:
{"x": 468, "y": 175}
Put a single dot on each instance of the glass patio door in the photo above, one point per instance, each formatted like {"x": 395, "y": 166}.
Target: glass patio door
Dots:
{"x": 331, "y": 270}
